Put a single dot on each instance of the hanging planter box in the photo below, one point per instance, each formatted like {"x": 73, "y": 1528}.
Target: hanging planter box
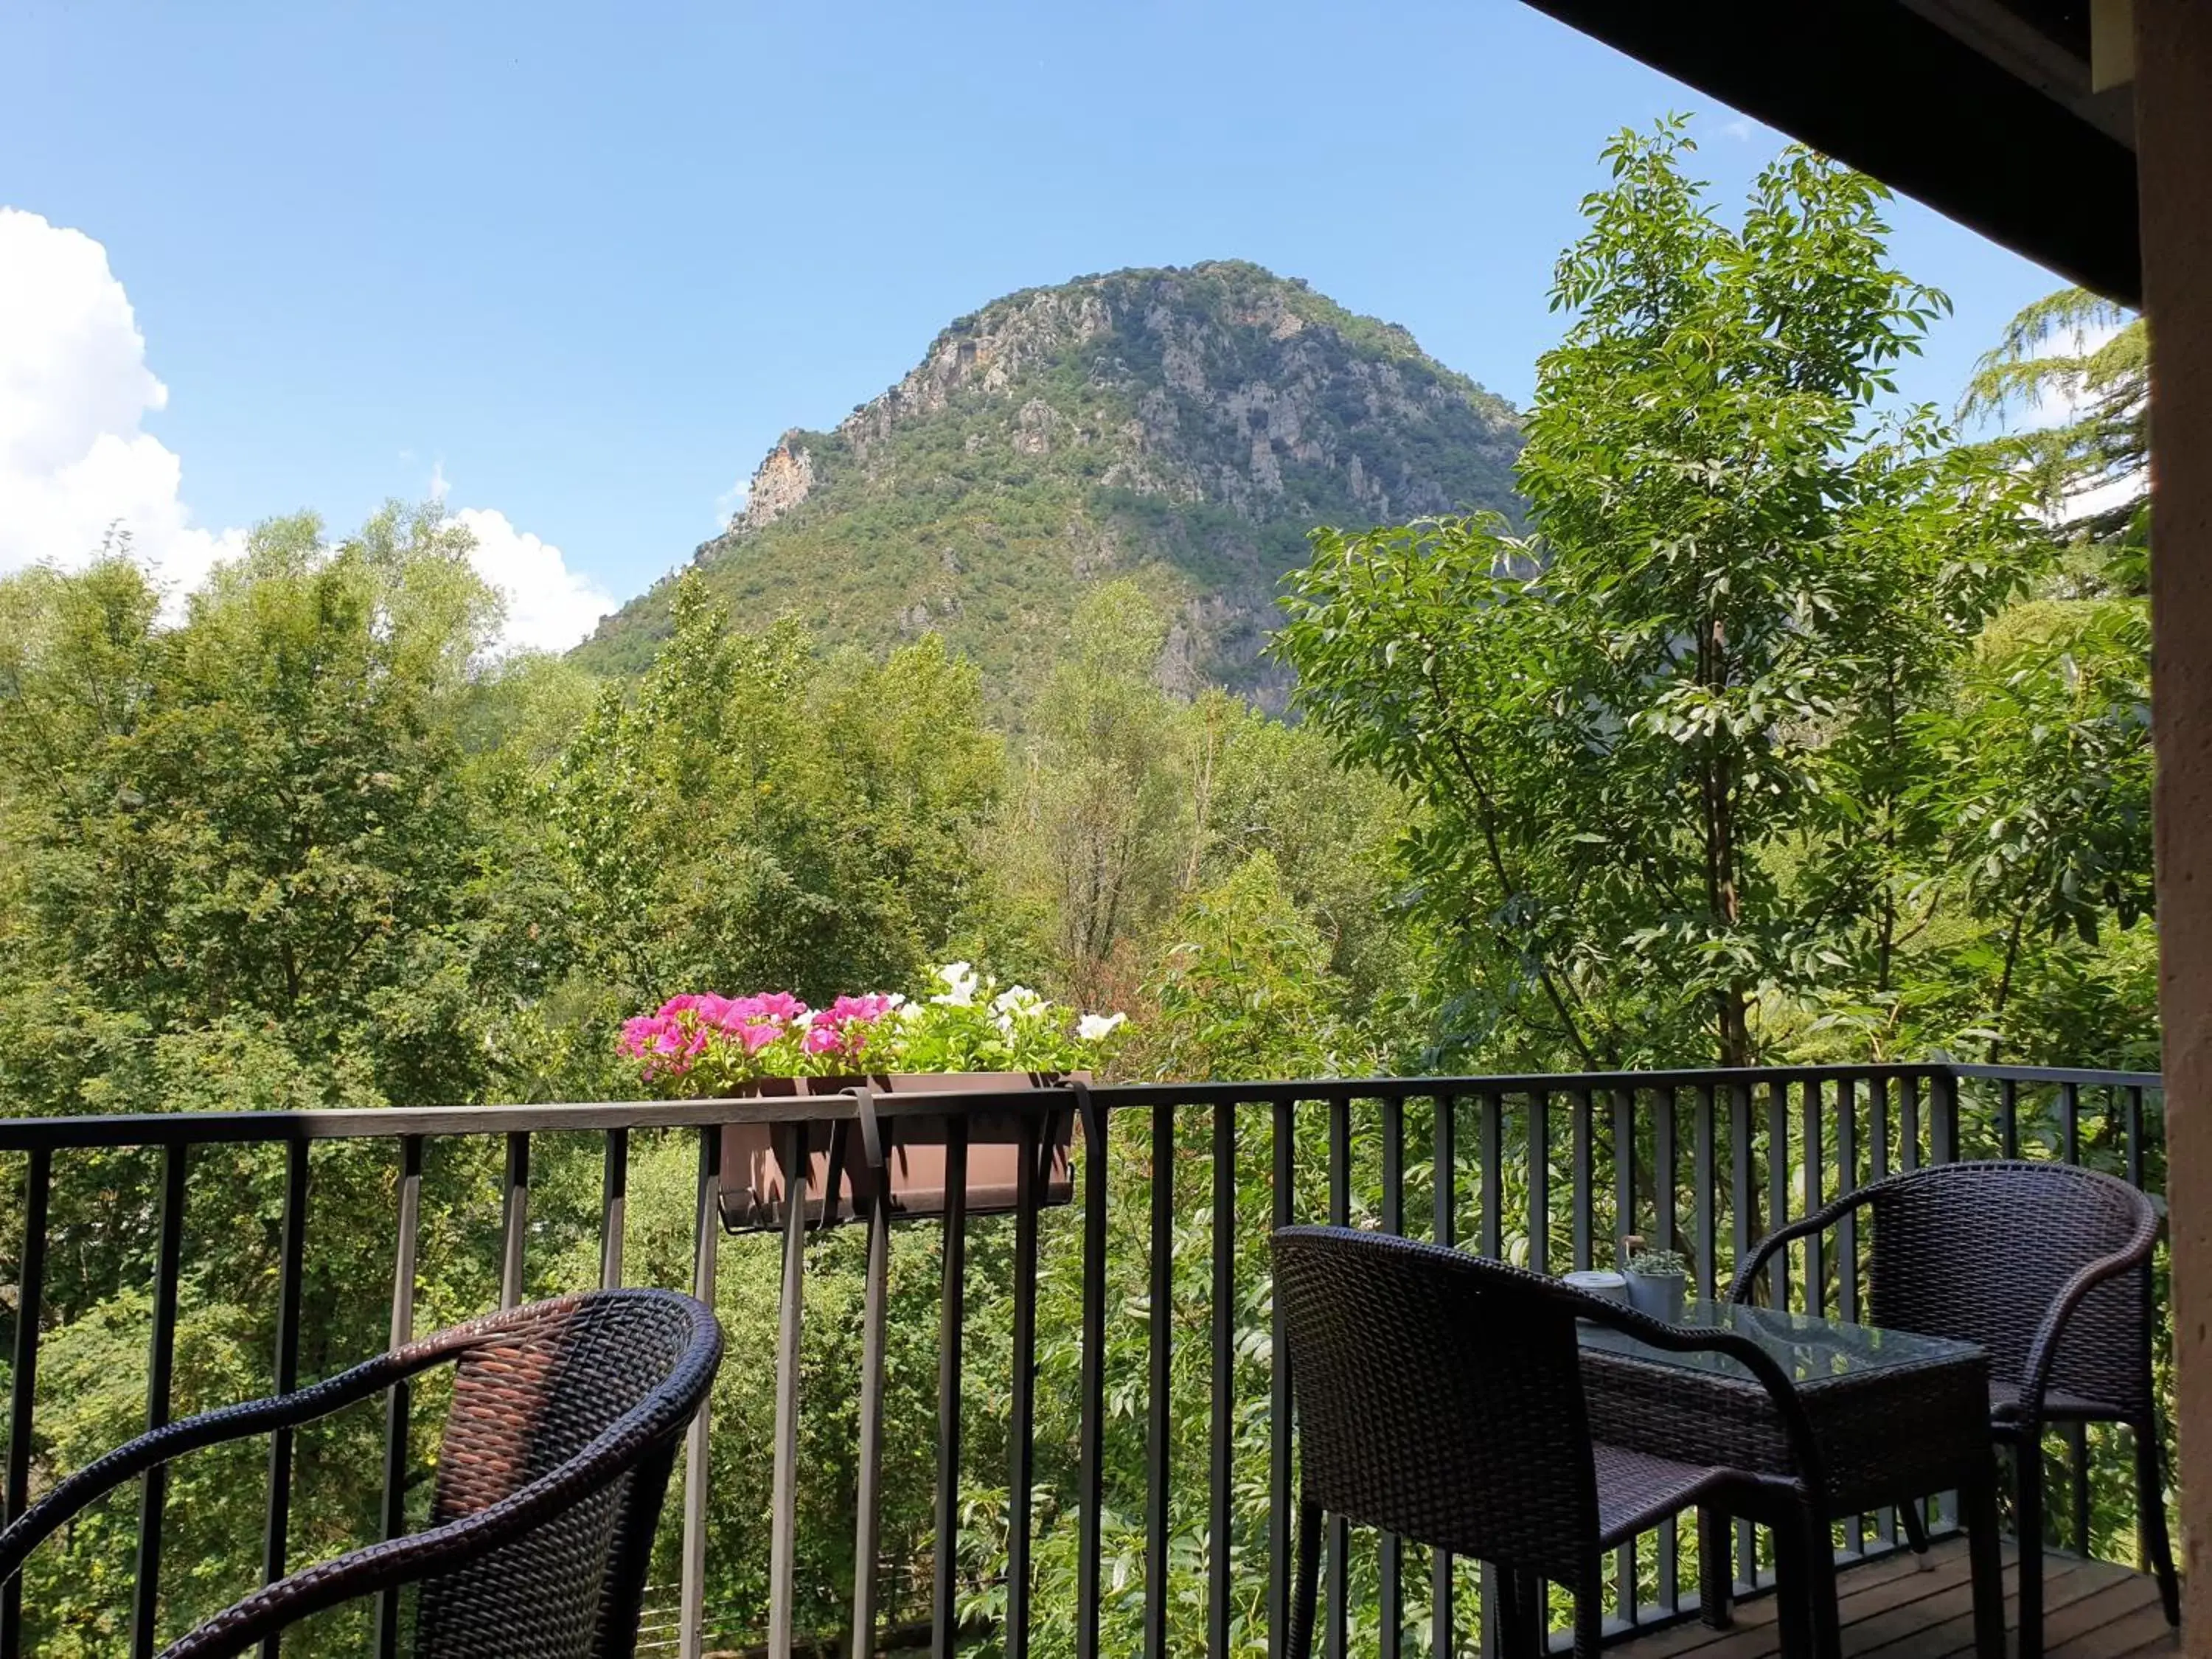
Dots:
{"x": 840, "y": 1185}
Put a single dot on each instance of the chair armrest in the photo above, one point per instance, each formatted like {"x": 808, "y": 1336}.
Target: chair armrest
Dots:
{"x": 1797, "y": 1426}
{"x": 2042, "y": 1350}
{"x": 649, "y": 1429}
{"x": 1747, "y": 1275}
{"x": 190, "y": 1434}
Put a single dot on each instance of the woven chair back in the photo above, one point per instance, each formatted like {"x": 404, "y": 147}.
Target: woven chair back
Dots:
{"x": 1439, "y": 1397}
{"x": 524, "y": 1404}
{"x": 1980, "y": 1251}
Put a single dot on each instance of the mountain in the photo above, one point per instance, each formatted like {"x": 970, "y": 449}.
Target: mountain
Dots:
{"x": 1189, "y": 427}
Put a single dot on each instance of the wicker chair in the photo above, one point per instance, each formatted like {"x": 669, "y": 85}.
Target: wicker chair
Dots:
{"x": 2046, "y": 1267}
{"x": 1439, "y": 1397}
{"x": 557, "y": 1446}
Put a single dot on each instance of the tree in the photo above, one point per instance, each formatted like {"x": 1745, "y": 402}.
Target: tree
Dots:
{"x": 753, "y": 818}
{"x": 1646, "y": 735}
{"x": 2090, "y": 468}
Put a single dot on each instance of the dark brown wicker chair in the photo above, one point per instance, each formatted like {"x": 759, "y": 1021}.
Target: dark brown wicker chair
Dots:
{"x": 1439, "y": 1397}
{"x": 2045, "y": 1266}
{"x": 557, "y": 1446}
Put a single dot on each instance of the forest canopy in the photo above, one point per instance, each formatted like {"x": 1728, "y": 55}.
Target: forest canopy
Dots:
{"x": 1794, "y": 724}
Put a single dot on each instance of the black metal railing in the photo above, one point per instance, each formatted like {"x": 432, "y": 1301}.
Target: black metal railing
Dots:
{"x": 1549, "y": 1170}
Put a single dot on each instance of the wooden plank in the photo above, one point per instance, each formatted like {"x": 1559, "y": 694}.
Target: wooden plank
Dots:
{"x": 1759, "y": 1611}
{"x": 1892, "y": 1609}
{"x": 1943, "y": 1624}
{"x": 1892, "y": 1581}
{"x": 2117, "y": 1619}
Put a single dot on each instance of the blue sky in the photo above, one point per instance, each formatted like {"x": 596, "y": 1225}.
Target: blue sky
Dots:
{"x": 584, "y": 263}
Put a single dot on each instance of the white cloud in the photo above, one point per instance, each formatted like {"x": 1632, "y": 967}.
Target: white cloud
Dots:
{"x": 732, "y": 501}
{"x": 549, "y": 606}
{"x": 74, "y": 387}
{"x": 1739, "y": 129}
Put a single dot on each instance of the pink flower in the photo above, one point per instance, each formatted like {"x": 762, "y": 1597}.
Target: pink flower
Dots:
{"x": 823, "y": 1038}
{"x": 758, "y": 1037}
{"x": 781, "y": 1007}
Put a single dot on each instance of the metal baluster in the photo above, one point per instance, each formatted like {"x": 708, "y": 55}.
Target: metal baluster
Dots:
{"x": 1489, "y": 1135}
{"x": 614, "y": 1207}
{"x": 1021, "y": 1482}
{"x": 1664, "y": 1169}
{"x": 1624, "y": 1171}
{"x": 783, "y": 1498}
{"x": 275, "y": 1537}
{"x": 397, "y": 1401}
{"x": 1219, "y": 1563}
{"x": 706, "y": 1240}
{"x": 1444, "y": 1220}
{"x": 1339, "y": 1532}
{"x": 161, "y": 1358}
{"x": 1943, "y": 1125}
{"x": 1490, "y": 1152}
{"x": 1540, "y": 1181}
{"x": 514, "y": 1219}
{"x": 2134, "y": 1131}
{"x": 1885, "y": 1524}
{"x": 1279, "y": 1408}
{"x": 30, "y": 1290}
{"x": 1389, "y": 1551}
{"x": 1908, "y": 1123}
{"x": 2009, "y": 1118}
{"x": 2069, "y": 1122}
{"x": 1705, "y": 1181}
{"x": 1847, "y": 1235}
{"x": 876, "y": 1150}
{"x": 1627, "y": 1605}
{"x": 1158, "y": 1333}
{"x": 1585, "y": 1175}
{"x": 951, "y": 1324}
{"x": 1741, "y": 1200}
{"x": 1778, "y": 1186}
{"x": 1816, "y": 1270}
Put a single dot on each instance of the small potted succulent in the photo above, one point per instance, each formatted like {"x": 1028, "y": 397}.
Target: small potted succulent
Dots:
{"x": 1658, "y": 1281}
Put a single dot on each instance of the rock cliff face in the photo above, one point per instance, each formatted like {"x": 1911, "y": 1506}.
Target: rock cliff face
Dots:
{"x": 1189, "y": 427}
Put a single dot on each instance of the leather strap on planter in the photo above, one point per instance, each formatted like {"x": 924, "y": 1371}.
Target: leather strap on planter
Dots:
{"x": 1094, "y": 1131}
{"x": 872, "y": 1130}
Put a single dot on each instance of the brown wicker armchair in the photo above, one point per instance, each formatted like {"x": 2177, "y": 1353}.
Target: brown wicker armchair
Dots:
{"x": 1439, "y": 1397}
{"x": 557, "y": 1446}
{"x": 2045, "y": 1266}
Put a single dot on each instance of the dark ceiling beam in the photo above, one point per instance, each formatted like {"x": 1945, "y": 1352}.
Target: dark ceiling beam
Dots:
{"x": 1876, "y": 86}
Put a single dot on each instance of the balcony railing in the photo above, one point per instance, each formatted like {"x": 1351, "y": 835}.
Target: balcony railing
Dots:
{"x": 1159, "y": 1538}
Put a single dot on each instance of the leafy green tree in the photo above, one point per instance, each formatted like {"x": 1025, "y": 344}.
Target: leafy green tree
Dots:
{"x": 750, "y": 819}
{"x": 1637, "y": 733}
{"x": 2043, "y": 788}
{"x": 2090, "y": 468}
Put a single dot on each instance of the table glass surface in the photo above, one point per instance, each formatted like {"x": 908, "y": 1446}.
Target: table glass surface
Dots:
{"x": 1808, "y": 1349}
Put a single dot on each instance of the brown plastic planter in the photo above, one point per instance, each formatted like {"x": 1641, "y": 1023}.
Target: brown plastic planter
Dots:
{"x": 839, "y": 1182}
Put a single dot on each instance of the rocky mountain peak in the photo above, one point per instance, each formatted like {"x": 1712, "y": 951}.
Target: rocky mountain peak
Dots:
{"x": 1186, "y": 425}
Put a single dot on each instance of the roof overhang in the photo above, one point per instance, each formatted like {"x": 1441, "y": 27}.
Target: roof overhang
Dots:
{"x": 1986, "y": 110}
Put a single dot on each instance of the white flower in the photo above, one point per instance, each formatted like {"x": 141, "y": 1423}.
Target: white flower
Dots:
{"x": 1017, "y": 1000}
{"x": 959, "y": 980}
{"x": 1093, "y": 1027}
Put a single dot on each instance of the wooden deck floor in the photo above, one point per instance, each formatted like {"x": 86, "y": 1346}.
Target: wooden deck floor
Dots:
{"x": 1894, "y": 1610}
